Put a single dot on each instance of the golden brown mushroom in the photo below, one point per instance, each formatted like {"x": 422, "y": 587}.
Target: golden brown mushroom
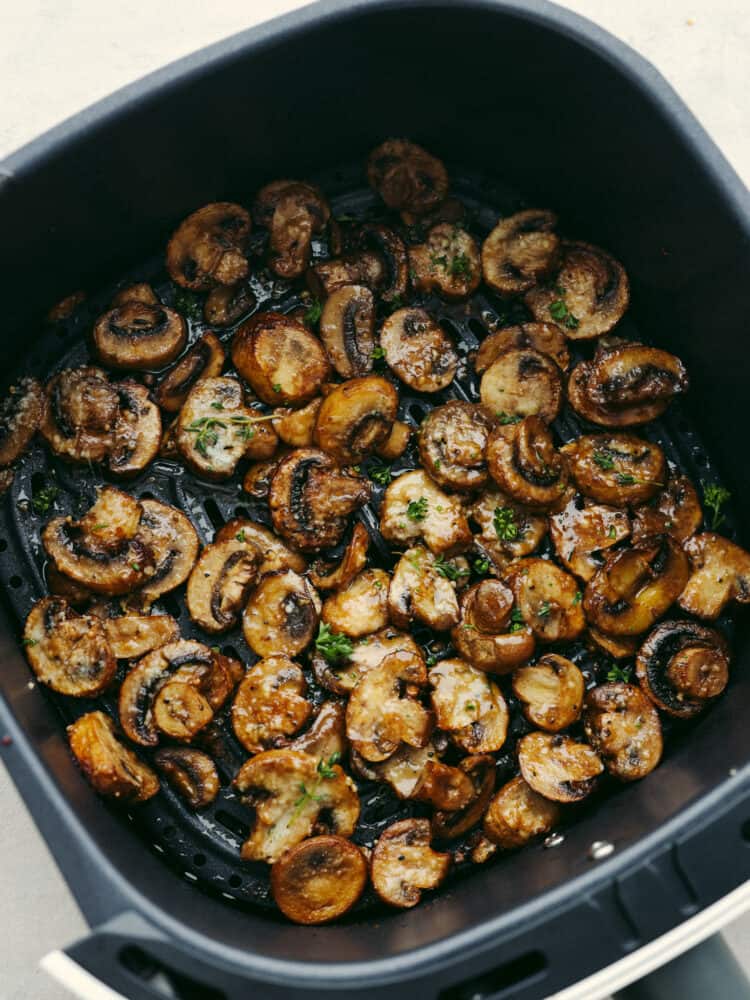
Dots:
{"x": 521, "y": 249}
{"x": 407, "y": 177}
{"x": 719, "y": 573}
{"x": 137, "y": 432}
{"x": 557, "y": 767}
{"x": 281, "y": 615}
{"x": 469, "y": 706}
{"x": 220, "y": 582}
{"x": 550, "y": 692}
{"x": 139, "y": 335}
{"x": 319, "y": 880}
{"x": 583, "y": 530}
{"x": 294, "y": 211}
{"x": 487, "y": 635}
{"x": 413, "y": 507}
{"x": 508, "y": 530}
{"x": 418, "y": 350}
{"x": 274, "y": 554}
{"x": 675, "y": 510}
{"x": 448, "y": 262}
{"x": 347, "y": 329}
{"x": 356, "y": 417}
{"x": 522, "y": 382}
{"x": 480, "y": 769}
{"x": 173, "y": 543}
{"x": 297, "y": 427}
{"x": 191, "y": 773}
{"x": 403, "y": 863}
{"x": 111, "y": 767}
{"x": 326, "y": 574}
{"x": 617, "y": 469}
{"x": 131, "y": 636}
{"x": 20, "y": 418}
{"x": 368, "y": 653}
{"x": 547, "y": 599}
{"x": 205, "y": 359}
{"x": 80, "y": 411}
{"x": 545, "y": 338}
{"x": 623, "y": 727}
{"x": 270, "y": 705}
{"x": 361, "y": 607}
{"x": 207, "y": 248}
{"x": 518, "y": 814}
{"x": 418, "y": 592}
{"x": 452, "y": 440}
{"x": 525, "y": 464}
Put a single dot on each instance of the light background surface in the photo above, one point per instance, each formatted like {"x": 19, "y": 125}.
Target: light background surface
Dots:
{"x": 58, "y": 56}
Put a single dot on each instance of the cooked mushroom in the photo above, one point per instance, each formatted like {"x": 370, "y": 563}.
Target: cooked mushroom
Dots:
{"x": 20, "y": 418}
{"x": 522, "y": 382}
{"x": 310, "y": 499}
{"x": 257, "y": 479}
{"x": 675, "y": 510}
{"x": 523, "y": 461}
{"x": 547, "y": 599}
{"x": 319, "y": 880}
{"x": 480, "y": 769}
{"x": 488, "y": 636}
{"x": 418, "y": 592}
{"x": 207, "y": 248}
{"x": 452, "y": 441}
{"x": 390, "y": 248}
{"x": 173, "y": 543}
{"x": 191, "y": 773}
{"x": 719, "y": 573}
{"x": 205, "y": 359}
{"x": 521, "y": 250}
{"x": 297, "y": 427}
{"x": 582, "y": 530}
{"x": 589, "y": 295}
{"x": 111, "y": 767}
{"x": 517, "y": 814}
{"x": 469, "y": 706}
{"x": 293, "y": 795}
{"x": 448, "y": 262}
{"x": 80, "y": 411}
{"x": 284, "y": 363}
{"x": 139, "y": 335}
{"x": 67, "y": 651}
{"x": 362, "y": 267}
{"x": 282, "y": 614}
{"x": 413, "y": 507}
{"x": 635, "y": 586}
{"x": 545, "y": 338}
{"x": 682, "y": 665}
{"x": 294, "y": 212}
{"x": 326, "y": 737}
{"x": 274, "y": 554}
{"x": 550, "y": 692}
{"x": 137, "y": 432}
{"x": 368, "y": 653}
{"x": 337, "y": 574}
{"x": 623, "y": 727}
{"x": 356, "y": 417}
{"x": 508, "y": 530}
{"x": 407, "y": 177}
{"x": 131, "y": 636}
{"x": 225, "y": 304}
{"x": 617, "y": 469}
{"x": 418, "y": 350}
{"x": 401, "y": 771}
{"x": 443, "y": 786}
{"x": 619, "y": 647}
{"x": 62, "y": 586}
{"x": 396, "y": 443}
{"x": 141, "y": 291}
{"x": 558, "y": 767}
{"x": 347, "y": 329}
{"x": 220, "y": 582}
{"x": 270, "y": 704}
{"x": 403, "y": 863}
{"x": 626, "y": 384}
{"x": 361, "y": 607}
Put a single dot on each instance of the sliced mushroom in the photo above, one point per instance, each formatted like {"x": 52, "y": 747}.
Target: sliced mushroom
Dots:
{"x": 480, "y": 769}
{"x": 558, "y": 767}
{"x": 675, "y": 510}
{"x": 63, "y": 586}
{"x": 297, "y": 427}
{"x": 452, "y": 441}
{"x": 141, "y": 291}
{"x": 403, "y": 863}
{"x": 545, "y": 338}
{"x": 326, "y": 737}
{"x": 547, "y": 599}
{"x": 522, "y": 382}
{"x": 191, "y": 773}
{"x": 623, "y": 727}
{"x": 270, "y": 704}
{"x": 282, "y": 614}
{"x": 443, "y": 786}
{"x": 396, "y": 443}
{"x": 137, "y": 431}
{"x": 682, "y": 665}
{"x": 419, "y": 593}
{"x": 550, "y": 692}
{"x": 635, "y": 586}
{"x": 338, "y": 574}
{"x": 68, "y": 652}
{"x": 80, "y": 411}
{"x": 618, "y": 469}
{"x": 518, "y": 814}
{"x": 619, "y": 647}
{"x": 390, "y": 248}
{"x": 469, "y": 706}
{"x": 521, "y": 250}
{"x": 111, "y": 767}
{"x": 139, "y": 335}
{"x": 418, "y": 350}
{"x": 448, "y": 262}
{"x": 582, "y": 530}
{"x": 131, "y": 636}
{"x": 508, "y": 530}
{"x": 356, "y": 417}
{"x": 359, "y": 268}
{"x": 361, "y": 607}
{"x": 368, "y": 653}
{"x": 293, "y": 795}
{"x": 274, "y": 554}
{"x": 205, "y": 359}
{"x": 293, "y": 211}
{"x": 207, "y": 248}
{"x": 173, "y": 543}
{"x": 487, "y": 636}
{"x": 257, "y": 479}
{"x": 589, "y": 295}
{"x": 220, "y": 582}
{"x": 402, "y": 771}
{"x": 180, "y": 711}
{"x": 407, "y": 177}
{"x": 225, "y": 304}
{"x": 413, "y": 507}
{"x": 319, "y": 880}
{"x": 719, "y": 573}
{"x": 525, "y": 464}
{"x": 21, "y": 414}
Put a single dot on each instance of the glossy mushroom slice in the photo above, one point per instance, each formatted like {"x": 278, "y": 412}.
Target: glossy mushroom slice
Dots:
{"x": 683, "y": 665}
{"x": 636, "y": 586}
{"x": 111, "y": 767}
{"x": 545, "y": 338}
{"x": 284, "y": 363}
{"x": 361, "y": 607}
{"x": 402, "y": 771}
{"x": 326, "y": 736}
{"x": 558, "y": 767}
{"x": 205, "y": 359}
{"x": 452, "y": 440}
{"x": 397, "y": 441}
{"x": 297, "y": 427}
{"x": 547, "y": 598}
{"x": 626, "y": 384}
{"x": 418, "y": 350}
{"x": 390, "y": 248}
{"x": 489, "y": 635}
{"x": 274, "y": 554}
{"x": 139, "y": 335}
{"x": 623, "y": 727}
{"x": 589, "y": 295}
{"x": 191, "y": 773}
{"x": 342, "y": 676}
{"x": 617, "y": 469}
{"x": 550, "y": 692}
{"x": 173, "y": 543}
{"x": 356, "y": 417}
{"x": 468, "y": 706}
{"x": 525, "y": 464}
{"x": 80, "y": 411}
{"x": 294, "y": 212}
{"x": 522, "y": 382}
{"x": 403, "y": 863}
{"x": 270, "y": 705}
{"x": 719, "y": 573}
{"x": 443, "y": 786}
{"x": 413, "y": 507}
{"x": 520, "y": 250}
{"x": 310, "y": 499}
{"x": 180, "y": 711}
{"x": 68, "y": 652}
{"x": 480, "y": 769}
{"x": 407, "y": 177}
{"x": 207, "y": 248}
{"x": 347, "y": 329}
{"x": 336, "y": 574}
{"x": 137, "y": 432}
{"x": 281, "y": 615}
{"x": 675, "y": 510}
{"x": 618, "y": 647}
{"x": 220, "y": 582}
{"x": 418, "y": 592}
{"x": 225, "y": 304}
{"x": 508, "y": 530}
{"x": 131, "y": 636}
{"x": 20, "y": 418}
{"x": 141, "y": 291}
{"x": 272, "y": 783}
{"x": 363, "y": 267}
{"x": 518, "y": 814}
{"x": 583, "y": 530}
{"x": 319, "y": 880}
{"x": 448, "y": 262}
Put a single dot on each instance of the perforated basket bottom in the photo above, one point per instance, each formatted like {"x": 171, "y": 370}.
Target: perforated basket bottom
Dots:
{"x": 204, "y": 846}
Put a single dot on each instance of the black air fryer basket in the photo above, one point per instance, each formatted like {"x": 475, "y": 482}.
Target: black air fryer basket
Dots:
{"x": 515, "y": 97}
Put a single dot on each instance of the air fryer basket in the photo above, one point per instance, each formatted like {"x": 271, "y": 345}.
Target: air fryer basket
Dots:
{"x": 534, "y": 96}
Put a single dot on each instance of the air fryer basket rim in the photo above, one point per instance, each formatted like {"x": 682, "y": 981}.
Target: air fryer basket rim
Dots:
{"x": 68, "y": 838}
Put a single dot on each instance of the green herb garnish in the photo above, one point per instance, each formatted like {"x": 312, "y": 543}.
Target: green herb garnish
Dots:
{"x": 604, "y": 460}
{"x": 505, "y": 524}
{"x": 625, "y": 479}
{"x": 240, "y": 536}
{"x": 44, "y": 499}
{"x": 31, "y": 642}
{"x": 277, "y": 387}
{"x": 207, "y": 434}
{"x": 460, "y": 265}
{"x": 612, "y": 533}
{"x": 378, "y": 353}
{"x": 516, "y": 620}
{"x": 325, "y": 773}
{"x": 618, "y": 675}
{"x": 561, "y": 314}
{"x": 217, "y": 405}
{"x": 448, "y": 569}
{"x": 416, "y": 510}
{"x": 544, "y": 609}
{"x": 481, "y": 566}
{"x": 380, "y": 474}
{"x": 508, "y": 418}
{"x": 578, "y": 597}
{"x": 314, "y": 311}
{"x": 333, "y": 646}
{"x": 714, "y": 497}
{"x": 188, "y": 303}
{"x": 325, "y": 767}
{"x": 470, "y": 706}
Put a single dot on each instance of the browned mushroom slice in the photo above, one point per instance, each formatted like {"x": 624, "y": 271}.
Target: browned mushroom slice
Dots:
{"x": 557, "y": 767}
{"x": 589, "y": 295}
{"x": 293, "y": 794}
{"x": 521, "y": 250}
{"x": 282, "y": 614}
{"x": 448, "y": 262}
{"x": 63, "y": 586}
{"x": 402, "y": 771}
{"x": 274, "y": 554}
{"x": 356, "y": 417}
{"x": 257, "y": 479}
{"x": 544, "y": 338}
{"x": 418, "y": 350}
{"x": 137, "y": 431}
{"x": 283, "y": 362}
{"x": 403, "y": 863}
{"x": 397, "y": 441}
{"x": 547, "y": 599}
{"x": 480, "y": 769}
{"x": 636, "y": 586}
{"x": 360, "y": 268}
{"x": 270, "y": 704}
{"x": 522, "y": 382}
{"x": 20, "y": 418}
{"x": 550, "y": 691}
{"x": 347, "y": 329}
{"x": 111, "y": 767}
{"x": 139, "y": 335}
{"x": 173, "y": 542}
{"x": 141, "y": 291}
{"x": 443, "y": 786}
{"x": 682, "y": 665}
{"x": 623, "y": 727}
{"x": 517, "y": 814}
{"x": 310, "y": 499}
{"x": 297, "y": 427}
{"x": 391, "y": 249}
{"x": 326, "y": 737}
{"x": 180, "y": 711}
{"x": 191, "y": 773}
{"x": 383, "y": 713}
{"x": 675, "y": 510}
{"x": 319, "y": 880}
{"x": 452, "y": 440}
{"x": 407, "y": 177}
{"x": 131, "y": 636}
{"x": 337, "y": 574}
{"x": 220, "y": 582}
{"x": 626, "y": 384}
{"x": 67, "y": 651}
{"x": 361, "y": 607}
{"x": 469, "y": 706}
{"x": 205, "y": 359}
{"x": 225, "y": 304}
{"x": 508, "y": 530}
{"x": 523, "y": 461}
{"x": 80, "y": 410}
{"x": 617, "y": 469}
{"x": 207, "y": 248}
{"x": 719, "y": 573}
{"x": 293, "y": 211}
{"x": 582, "y": 530}
{"x": 488, "y": 635}
{"x": 368, "y": 653}
{"x": 619, "y": 647}
{"x": 419, "y": 593}
{"x": 413, "y": 507}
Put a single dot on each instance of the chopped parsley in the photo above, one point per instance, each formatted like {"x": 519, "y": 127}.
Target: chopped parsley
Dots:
{"x": 504, "y": 521}
{"x": 416, "y": 510}
{"x": 578, "y": 597}
{"x": 44, "y": 498}
{"x": 714, "y": 497}
{"x": 31, "y": 642}
{"x": 333, "y": 646}
{"x": 313, "y": 313}
{"x": 380, "y": 474}
{"x": 561, "y": 314}
{"x": 612, "y": 533}
{"x": 448, "y": 569}
{"x": 604, "y": 460}
{"x": 625, "y": 479}
{"x": 206, "y": 429}
{"x": 470, "y": 706}
{"x": 460, "y": 265}
{"x": 240, "y": 536}
{"x": 378, "y": 353}
{"x": 618, "y": 675}
{"x": 188, "y": 303}
{"x": 516, "y": 620}
{"x": 431, "y": 660}
{"x": 325, "y": 767}
{"x": 326, "y": 772}
{"x": 508, "y": 418}
{"x": 277, "y": 387}
{"x": 217, "y": 405}
{"x": 481, "y": 566}
{"x": 544, "y": 609}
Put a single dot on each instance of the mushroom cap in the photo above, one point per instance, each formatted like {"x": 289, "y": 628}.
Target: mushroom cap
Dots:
{"x": 191, "y": 773}
{"x": 545, "y": 338}
{"x": 452, "y": 440}
{"x": 547, "y": 598}
{"x": 583, "y": 530}
{"x": 21, "y": 412}
{"x": 281, "y": 615}
{"x": 624, "y": 728}
{"x": 469, "y": 706}
{"x": 356, "y": 417}
{"x": 558, "y": 768}
{"x": 137, "y": 431}
{"x": 447, "y": 263}
{"x": 682, "y": 665}
{"x": 220, "y": 582}
{"x": 719, "y": 573}
{"x": 551, "y": 692}
{"x": 522, "y": 382}
{"x": 140, "y": 335}
{"x": 517, "y": 814}
{"x": 407, "y": 177}
{"x": 205, "y": 359}
{"x": 361, "y": 607}
{"x": 173, "y": 542}
{"x": 269, "y": 704}
{"x": 112, "y": 768}
{"x": 616, "y": 468}
{"x": 525, "y": 464}
{"x": 438, "y": 518}
{"x": 418, "y": 349}
{"x": 207, "y": 247}
{"x": 347, "y": 329}
{"x": 403, "y": 863}
{"x": 480, "y": 769}
{"x": 484, "y": 635}
{"x": 419, "y": 593}
{"x": 319, "y": 880}
{"x": 521, "y": 249}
